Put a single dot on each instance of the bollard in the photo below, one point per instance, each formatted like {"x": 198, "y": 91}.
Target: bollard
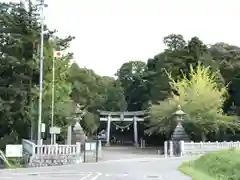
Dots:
{"x": 78, "y": 153}
{"x": 181, "y": 148}
{"x": 171, "y": 148}
{"x": 165, "y": 149}
{"x": 142, "y": 143}
{"x": 99, "y": 149}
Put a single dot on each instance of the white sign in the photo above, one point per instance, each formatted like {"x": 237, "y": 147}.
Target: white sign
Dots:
{"x": 55, "y": 130}
{"x": 14, "y": 150}
{"x": 43, "y": 127}
{"x": 90, "y": 146}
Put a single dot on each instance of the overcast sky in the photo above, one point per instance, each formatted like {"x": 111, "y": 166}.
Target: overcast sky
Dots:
{"x": 111, "y": 32}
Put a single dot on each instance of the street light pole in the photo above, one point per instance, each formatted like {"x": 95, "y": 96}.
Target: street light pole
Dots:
{"x": 53, "y": 99}
{"x": 42, "y": 5}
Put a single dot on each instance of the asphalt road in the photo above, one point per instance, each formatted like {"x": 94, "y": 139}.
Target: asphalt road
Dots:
{"x": 125, "y": 169}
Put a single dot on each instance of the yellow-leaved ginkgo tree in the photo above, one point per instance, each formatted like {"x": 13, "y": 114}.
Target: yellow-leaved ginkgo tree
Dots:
{"x": 201, "y": 98}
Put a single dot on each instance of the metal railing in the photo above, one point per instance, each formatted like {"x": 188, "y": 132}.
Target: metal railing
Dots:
{"x": 186, "y": 148}
{"x": 44, "y": 150}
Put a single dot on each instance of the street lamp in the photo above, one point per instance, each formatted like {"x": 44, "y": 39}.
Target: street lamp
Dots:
{"x": 42, "y": 5}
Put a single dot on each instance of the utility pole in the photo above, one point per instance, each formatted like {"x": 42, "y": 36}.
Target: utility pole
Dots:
{"x": 42, "y": 6}
{"x": 53, "y": 139}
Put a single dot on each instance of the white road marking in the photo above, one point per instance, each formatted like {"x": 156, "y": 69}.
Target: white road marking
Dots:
{"x": 46, "y": 173}
{"x": 97, "y": 176}
{"x": 87, "y": 176}
{"x": 117, "y": 175}
{"x": 132, "y": 160}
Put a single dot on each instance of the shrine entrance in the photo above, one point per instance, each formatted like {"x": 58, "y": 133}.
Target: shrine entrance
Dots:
{"x": 122, "y": 122}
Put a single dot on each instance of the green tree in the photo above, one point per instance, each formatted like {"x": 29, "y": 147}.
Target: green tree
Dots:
{"x": 131, "y": 76}
{"x": 201, "y": 99}
{"x": 19, "y": 72}
{"x": 228, "y": 58}
{"x": 19, "y": 32}
{"x": 95, "y": 93}
{"x": 62, "y": 89}
{"x": 177, "y": 59}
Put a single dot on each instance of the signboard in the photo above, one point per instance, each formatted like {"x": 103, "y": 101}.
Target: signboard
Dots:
{"x": 55, "y": 130}
{"x": 90, "y": 146}
{"x": 14, "y": 150}
{"x": 43, "y": 127}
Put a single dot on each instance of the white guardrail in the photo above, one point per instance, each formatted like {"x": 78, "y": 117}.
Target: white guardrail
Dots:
{"x": 186, "y": 148}
{"x": 43, "y": 150}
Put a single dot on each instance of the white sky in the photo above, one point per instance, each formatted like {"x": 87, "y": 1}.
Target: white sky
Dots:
{"x": 111, "y": 32}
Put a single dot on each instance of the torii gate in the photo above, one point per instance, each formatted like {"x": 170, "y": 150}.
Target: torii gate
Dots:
{"x": 135, "y": 116}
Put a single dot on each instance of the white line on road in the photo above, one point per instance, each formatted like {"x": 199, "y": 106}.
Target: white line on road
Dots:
{"x": 97, "y": 176}
{"x": 87, "y": 176}
{"x": 129, "y": 160}
{"x": 117, "y": 175}
{"x": 46, "y": 173}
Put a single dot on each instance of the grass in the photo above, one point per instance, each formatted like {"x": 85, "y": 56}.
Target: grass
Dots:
{"x": 219, "y": 165}
{"x": 10, "y": 162}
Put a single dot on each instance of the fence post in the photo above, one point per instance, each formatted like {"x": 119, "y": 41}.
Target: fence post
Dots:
{"x": 33, "y": 149}
{"x": 170, "y": 148}
{"x": 78, "y": 153}
{"x": 181, "y": 148}
{"x": 165, "y": 149}
{"x": 217, "y": 144}
{"x": 56, "y": 149}
{"x": 99, "y": 148}
{"x": 201, "y": 147}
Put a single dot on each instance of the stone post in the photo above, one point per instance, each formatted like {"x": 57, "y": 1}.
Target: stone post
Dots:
{"x": 170, "y": 148}
{"x": 99, "y": 148}
{"x": 78, "y": 152}
{"x": 181, "y": 148}
{"x": 108, "y": 130}
{"x": 135, "y": 131}
{"x": 165, "y": 149}
{"x": 69, "y": 134}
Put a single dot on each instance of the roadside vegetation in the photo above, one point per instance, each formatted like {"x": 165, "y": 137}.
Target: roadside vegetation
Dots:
{"x": 219, "y": 165}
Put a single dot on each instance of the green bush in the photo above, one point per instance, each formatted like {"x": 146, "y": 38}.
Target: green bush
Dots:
{"x": 11, "y": 162}
{"x": 14, "y": 163}
{"x": 220, "y": 165}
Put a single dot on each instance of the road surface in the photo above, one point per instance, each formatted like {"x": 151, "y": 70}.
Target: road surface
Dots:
{"x": 150, "y": 168}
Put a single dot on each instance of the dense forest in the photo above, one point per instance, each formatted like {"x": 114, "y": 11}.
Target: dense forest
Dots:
{"x": 151, "y": 84}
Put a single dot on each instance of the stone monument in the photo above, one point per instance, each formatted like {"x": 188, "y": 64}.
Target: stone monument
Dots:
{"x": 78, "y": 134}
{"x": 179, "y": 133}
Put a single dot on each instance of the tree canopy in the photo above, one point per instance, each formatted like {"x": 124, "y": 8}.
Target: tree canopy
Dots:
{"x": 200, "y": 98}
{"x": 200, "y": 77}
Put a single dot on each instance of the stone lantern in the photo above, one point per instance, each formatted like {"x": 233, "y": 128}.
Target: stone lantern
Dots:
{"x": 179, "y": 133}
{"x": 78, "y": 133}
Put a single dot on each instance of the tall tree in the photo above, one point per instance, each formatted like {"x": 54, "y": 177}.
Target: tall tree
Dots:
{"x": 176, "y": 59}
{"x": 131, "y": 77}
{"x": 95, "y": 93}
{"x": 62, "y": 86}
{"x": 19, "y": 31}
{"x": 201, "y": 99}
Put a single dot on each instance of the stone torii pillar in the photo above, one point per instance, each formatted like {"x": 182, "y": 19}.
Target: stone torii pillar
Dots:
{"x": 135, "y": 131}
{"x": 108, "y": 130}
